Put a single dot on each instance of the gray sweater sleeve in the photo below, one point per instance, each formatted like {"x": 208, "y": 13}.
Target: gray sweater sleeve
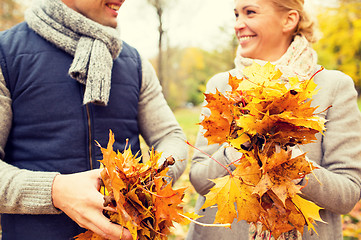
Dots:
{"x": 337, "y": 153}
{"x": 21, "y": 191}
{"x": 204, "y": 168}
{"x": 157, "y": 123}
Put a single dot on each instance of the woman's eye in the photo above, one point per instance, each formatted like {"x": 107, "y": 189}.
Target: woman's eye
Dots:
{"x": 236, "y": 15}
{"x": 250, "y": 12}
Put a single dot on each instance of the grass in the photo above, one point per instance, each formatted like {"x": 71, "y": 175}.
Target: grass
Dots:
{"x": 188, "y": 119}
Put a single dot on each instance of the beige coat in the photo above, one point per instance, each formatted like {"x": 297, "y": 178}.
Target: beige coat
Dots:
{"x": 337, "y": 153}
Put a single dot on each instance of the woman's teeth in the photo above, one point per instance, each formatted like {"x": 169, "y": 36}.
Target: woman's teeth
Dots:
{"x": 245, "y": 38}
{"x": 113, "y": 6}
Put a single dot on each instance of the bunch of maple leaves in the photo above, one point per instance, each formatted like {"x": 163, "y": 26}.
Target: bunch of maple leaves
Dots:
{"x": 140, "y": 193}
{"x": 263, "y": 117}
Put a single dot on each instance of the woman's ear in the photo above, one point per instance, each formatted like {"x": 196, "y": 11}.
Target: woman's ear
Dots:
{"x": 291, "y": 21}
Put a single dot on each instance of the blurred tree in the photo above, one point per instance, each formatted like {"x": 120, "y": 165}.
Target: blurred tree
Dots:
{"x": 340, "y": 46}
{"x": 183, "y": 72}
{"x": 189, "y": 69}
{"x": 11, "y": 13}
{"x": 160, "y": 6}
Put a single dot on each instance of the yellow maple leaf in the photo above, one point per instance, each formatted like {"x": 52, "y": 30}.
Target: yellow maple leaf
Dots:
{"x": 229, "y": 192}
{"x": 309, "y": 89}
{"x": 262, "y": 74}
{"x": 217, "y": 125}
{"x": 239, "y": 140}
{"x": 309, "y": 210}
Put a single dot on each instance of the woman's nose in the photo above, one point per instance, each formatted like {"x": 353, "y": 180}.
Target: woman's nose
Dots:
{"x": 239, "y": 24}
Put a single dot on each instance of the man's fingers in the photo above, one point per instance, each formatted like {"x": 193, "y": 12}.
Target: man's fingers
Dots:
{"x": 78, "y": 197}
{"x": 112, "y": 230}
{"x": 111, "y": 209}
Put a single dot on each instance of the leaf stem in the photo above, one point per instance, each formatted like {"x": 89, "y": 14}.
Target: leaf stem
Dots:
{"x": 152, "y": 193}
{"x": 230, "y": 173}
{"x": 206, "y": 224}
{"x": 236, "y": 160}
{"x": 322, "y": 68}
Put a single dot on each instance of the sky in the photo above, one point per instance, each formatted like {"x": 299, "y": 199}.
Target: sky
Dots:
{"x": 195, "y": 23}
{"x": 190, "y": 23}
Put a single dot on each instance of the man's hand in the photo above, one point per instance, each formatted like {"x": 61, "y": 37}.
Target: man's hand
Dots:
{"x": 78, "y": 196}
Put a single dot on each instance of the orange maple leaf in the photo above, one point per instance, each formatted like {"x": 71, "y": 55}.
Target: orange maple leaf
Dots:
{"x": 217, "y": 125}
{"x": 144, "y": 200}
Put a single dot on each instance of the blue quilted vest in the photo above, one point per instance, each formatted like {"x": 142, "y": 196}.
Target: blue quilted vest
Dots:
{"x": 52, "y": 130}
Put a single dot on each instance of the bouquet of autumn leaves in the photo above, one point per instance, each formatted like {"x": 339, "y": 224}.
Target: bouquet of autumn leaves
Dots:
{"x": 263, "y": 117}
{"x": 140, "y": 193}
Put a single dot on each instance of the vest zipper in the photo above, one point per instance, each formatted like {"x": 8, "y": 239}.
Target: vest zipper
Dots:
{"x": 90, "y": 137}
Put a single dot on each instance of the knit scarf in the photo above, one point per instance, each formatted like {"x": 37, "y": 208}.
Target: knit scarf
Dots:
{"x": 300, "y": 59}
{"x": 93, "y": 46}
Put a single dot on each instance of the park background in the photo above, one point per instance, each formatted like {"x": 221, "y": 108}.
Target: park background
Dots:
{"x": 188, "y": 41}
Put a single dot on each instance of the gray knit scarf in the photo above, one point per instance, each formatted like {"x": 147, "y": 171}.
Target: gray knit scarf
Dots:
{"x": 93, "y": 45}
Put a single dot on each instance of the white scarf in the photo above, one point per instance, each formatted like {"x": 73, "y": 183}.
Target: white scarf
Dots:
{"x": 300, "y": 59}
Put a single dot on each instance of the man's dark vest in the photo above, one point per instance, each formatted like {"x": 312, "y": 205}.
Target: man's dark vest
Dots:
{"x": 51, "y": 129}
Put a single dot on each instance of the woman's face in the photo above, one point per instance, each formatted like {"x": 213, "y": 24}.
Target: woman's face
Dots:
{"x": 260, "y": 31}
{"x": 101, "y": 11}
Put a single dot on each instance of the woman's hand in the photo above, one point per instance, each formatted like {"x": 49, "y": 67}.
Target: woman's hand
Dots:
{"x": 233, "y": 156}
{"x": 296, "y": 151}
{"x": 78, "y": 196}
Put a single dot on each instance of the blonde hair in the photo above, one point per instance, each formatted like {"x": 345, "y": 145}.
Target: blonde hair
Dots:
{"x": 306, "y": 25}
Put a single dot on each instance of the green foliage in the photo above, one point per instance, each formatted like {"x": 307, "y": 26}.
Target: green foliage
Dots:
{"x": 188, "y": 70}
{"x": 340, "y": 47}
{"x": 188, "y": 119}
{"x": 352, "y": 223}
